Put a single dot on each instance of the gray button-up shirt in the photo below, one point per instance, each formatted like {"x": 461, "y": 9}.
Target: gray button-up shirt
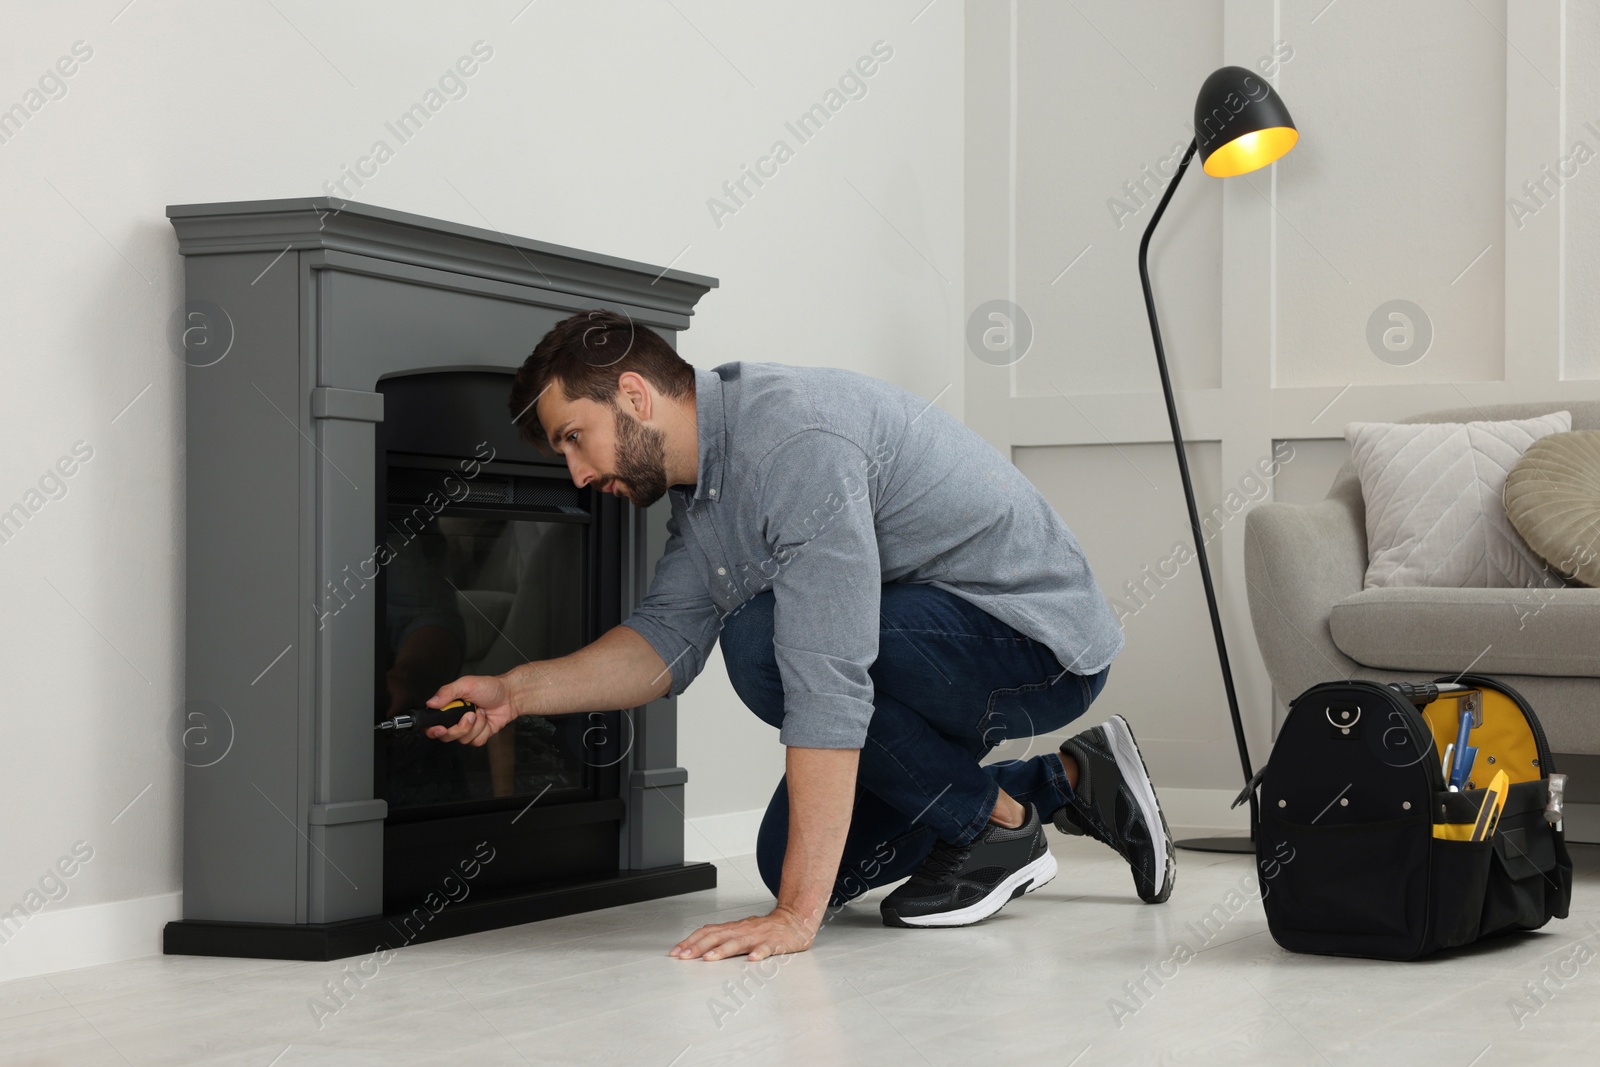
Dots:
{"x": 822, "y": 484}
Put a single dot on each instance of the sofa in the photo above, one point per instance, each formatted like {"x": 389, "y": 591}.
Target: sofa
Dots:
{"x": 1305, "y": 565}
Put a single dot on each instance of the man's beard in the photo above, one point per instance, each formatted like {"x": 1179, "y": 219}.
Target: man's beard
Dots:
{"x": 641, "y": 459}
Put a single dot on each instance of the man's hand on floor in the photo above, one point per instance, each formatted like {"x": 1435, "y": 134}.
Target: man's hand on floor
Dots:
{"x": 821, "y": 784}
{"x": 759, "y": 936}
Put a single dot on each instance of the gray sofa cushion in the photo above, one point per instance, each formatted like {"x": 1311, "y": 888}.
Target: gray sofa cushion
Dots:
{"x": 1551, "y": 632}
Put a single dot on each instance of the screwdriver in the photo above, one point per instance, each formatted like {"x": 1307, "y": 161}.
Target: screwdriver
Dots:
{"x": 423, "y": 718}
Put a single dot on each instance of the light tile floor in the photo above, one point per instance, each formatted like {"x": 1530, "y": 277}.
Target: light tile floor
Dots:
{"x": 1040, "y": 983}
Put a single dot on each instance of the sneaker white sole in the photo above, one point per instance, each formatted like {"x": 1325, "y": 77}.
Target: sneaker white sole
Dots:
{"x": 1036, "y": 873}
{"x": 1133, "y": 772}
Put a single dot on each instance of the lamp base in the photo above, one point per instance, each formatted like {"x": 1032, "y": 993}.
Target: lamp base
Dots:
{"x": 1242, "y": 846}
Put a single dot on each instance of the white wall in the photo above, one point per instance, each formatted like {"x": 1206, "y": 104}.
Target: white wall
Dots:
{"x": 606, "y": 126}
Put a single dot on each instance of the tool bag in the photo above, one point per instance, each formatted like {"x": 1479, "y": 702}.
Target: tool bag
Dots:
{"x": 1361, "y": 849}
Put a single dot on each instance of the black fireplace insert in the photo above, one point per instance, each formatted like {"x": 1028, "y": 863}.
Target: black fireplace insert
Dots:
{"x": 492, "y": 558}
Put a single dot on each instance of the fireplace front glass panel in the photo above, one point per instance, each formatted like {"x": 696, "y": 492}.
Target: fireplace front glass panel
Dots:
{"x": 471, "y": 592}
{"x": 496, "y": 559}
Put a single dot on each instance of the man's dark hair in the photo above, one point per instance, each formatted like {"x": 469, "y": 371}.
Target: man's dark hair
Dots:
{"x": 587, "y": 353}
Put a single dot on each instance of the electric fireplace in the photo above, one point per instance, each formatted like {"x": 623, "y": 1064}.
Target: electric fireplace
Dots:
{"x": 364, "y": 524}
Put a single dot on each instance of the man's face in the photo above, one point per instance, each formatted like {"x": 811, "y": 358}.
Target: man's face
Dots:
{"x": 617, "y": 454}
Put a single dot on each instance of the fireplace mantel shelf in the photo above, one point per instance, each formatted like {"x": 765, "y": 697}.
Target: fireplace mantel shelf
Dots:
{"x": 384, "y": 233}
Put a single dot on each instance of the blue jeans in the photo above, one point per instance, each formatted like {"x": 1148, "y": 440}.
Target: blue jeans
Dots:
{"x": 950, "y": 683}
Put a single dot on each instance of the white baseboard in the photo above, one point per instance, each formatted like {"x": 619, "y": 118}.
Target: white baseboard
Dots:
{"x": 62, "y": 939}
{"x": 715, "y": 837}
{"x": 1580, "y": 823}
{"x": 1203, "y": 809}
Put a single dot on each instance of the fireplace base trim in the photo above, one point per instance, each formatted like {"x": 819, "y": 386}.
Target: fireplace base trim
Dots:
{"x": 360, "y": 937}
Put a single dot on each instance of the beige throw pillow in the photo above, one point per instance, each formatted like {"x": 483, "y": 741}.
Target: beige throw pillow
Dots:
{"x": 1553, "y": 499}
{"x": 1433, "y": 498}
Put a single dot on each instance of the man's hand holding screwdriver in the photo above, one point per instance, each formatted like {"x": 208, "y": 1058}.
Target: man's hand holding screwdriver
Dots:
{"x": 619, "y": 670}
{"x": 493, "y": 713}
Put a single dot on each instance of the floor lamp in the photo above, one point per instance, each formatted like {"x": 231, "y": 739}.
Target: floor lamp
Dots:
{"x": 1240, "y": 125}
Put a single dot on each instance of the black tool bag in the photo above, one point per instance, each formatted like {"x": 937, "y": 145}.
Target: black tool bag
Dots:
{"x": 1361, "y": 849}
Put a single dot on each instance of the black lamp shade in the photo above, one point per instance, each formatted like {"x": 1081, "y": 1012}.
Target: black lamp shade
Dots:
{"x": 1240, "y": 123}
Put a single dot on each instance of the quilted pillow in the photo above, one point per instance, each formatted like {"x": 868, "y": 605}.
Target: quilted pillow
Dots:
{"x": 1553, "y": 499}
{"x": 1433, "y": 500}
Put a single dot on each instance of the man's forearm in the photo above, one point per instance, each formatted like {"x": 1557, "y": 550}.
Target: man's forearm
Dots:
{"x": 619, "y": 670}
{"x": 822, "y": 787}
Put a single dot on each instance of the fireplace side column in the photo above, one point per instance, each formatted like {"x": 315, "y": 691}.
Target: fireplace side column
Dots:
{"x": 654, "y": 827}
{"x": 345, "y": 831}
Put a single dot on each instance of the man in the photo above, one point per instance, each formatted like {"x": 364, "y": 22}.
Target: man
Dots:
{"x": 890, "y": 593}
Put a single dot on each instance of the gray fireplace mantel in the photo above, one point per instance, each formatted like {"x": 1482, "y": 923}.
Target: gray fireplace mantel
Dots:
{"x": 659, "y": 297}
{"x": 295, "y": 309}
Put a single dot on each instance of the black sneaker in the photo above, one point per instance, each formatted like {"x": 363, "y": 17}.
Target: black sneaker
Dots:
{"x": 1116, "y": 804}
{"x": 958, "y": 885}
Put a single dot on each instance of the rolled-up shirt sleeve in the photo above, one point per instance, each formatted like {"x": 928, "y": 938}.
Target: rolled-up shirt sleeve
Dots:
{"x": 816, "y": 506}
{"x": 677, "y": 615}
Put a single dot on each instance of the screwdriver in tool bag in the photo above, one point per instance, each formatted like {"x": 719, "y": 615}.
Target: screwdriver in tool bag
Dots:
{"x": 423, "y": 718}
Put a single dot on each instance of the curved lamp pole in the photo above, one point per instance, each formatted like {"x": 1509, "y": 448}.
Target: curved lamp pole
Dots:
{"x": 1240, "y": 125}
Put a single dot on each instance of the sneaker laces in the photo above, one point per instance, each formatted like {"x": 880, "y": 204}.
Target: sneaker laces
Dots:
{"x": 942, "y": 862}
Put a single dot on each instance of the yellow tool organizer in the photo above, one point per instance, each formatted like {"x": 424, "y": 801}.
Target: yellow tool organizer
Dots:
{"x": 1505, "y": 742}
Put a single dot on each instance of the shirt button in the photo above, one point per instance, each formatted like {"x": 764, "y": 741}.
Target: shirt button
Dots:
{"x": 713, "y": 492}
{"x": 722, "y": 570}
